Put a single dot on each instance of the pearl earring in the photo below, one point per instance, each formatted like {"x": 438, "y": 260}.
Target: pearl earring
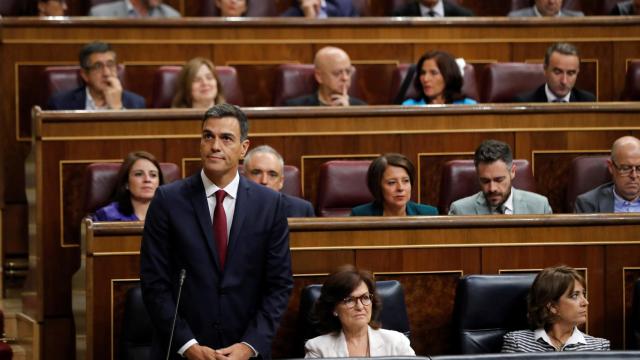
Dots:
{"x": 335, "y": 313}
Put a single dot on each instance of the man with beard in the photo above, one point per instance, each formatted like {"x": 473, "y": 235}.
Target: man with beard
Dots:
{"x": 623, "y": 193}
{"x": 495, "y": 168}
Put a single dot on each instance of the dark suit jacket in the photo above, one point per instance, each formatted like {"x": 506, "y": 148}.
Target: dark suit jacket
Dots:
{"x": 77, "y": 98}
{"x": 598, "y": 200}
{"x": 413, "y": 208}
{"x": 539, "y": 95}
{"x": 450, "y": 9}
{"x": 312, "y": 100}
{"x": 334, "y": 8}
{"x": 243, "y": 303}
{"x": 623, "y": 8}
{"x": 296, "y": 207}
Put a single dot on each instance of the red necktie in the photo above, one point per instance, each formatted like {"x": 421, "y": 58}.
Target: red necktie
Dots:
{"x": 220, "y": 227}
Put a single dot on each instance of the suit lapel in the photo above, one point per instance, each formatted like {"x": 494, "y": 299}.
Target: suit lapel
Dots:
{"x": 517, "y": 201}
{"x": 606, "y": 200}
{"x": 242, "y": 203}
{"x": 376, "y": 344}
{"x": 201, "y": 207}
{"x": 481, "y": 205}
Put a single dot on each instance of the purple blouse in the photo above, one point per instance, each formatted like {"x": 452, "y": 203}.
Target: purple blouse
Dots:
{"x": 112, "y": 212}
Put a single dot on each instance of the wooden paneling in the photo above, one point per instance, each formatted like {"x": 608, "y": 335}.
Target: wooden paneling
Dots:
{"x": 428, "y": 255}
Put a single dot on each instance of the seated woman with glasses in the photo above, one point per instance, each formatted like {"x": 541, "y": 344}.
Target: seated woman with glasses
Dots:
{"x": 557, "y": 305}
{"x": 390, "y": 179}
{"x": 198, "y": 85}
{"x": 439, "y": 81}
{"x": 346, "y": 312}
{"x": 137, "y": 181}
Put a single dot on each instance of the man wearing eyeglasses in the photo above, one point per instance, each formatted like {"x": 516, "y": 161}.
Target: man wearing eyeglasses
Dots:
{"x": 102, "y": 89}
{"x": 622, "y": 194}
{"x": 52, "y": 7}
{"x": 333, "y": 73}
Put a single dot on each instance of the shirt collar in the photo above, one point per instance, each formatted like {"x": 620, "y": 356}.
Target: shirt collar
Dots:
{"x": 535, "y": 10}
{"x": 507, "y": 206}
{"x": 623, "y": 201}
{"x": 551, "y": 96}
{"x": 90, "y": 104}
{"x": 322, "y": 14}
{"x": 210, "y": 188}
{"x": 576, "y": 338}
{"x": 438, "y": 9}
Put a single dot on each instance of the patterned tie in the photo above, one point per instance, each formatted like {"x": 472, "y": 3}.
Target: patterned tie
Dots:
{"x": 220, "y": 227}
{"x": 431, "y": 13}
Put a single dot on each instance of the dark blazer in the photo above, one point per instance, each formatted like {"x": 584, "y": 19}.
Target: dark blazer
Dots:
{"x": 297, "y": 207}
{"x": 77, "y": 98}
{"x": 312, "y": 100}
{"x": 598, "y": 200}
{"x": 623, "y": 8}
{"x": 334, "y": 8}
{"x": 243, "y": 303}
{"x": 539, "y": 95}
{"x": 450, "y": 9}
{"x": 413, "y": 208}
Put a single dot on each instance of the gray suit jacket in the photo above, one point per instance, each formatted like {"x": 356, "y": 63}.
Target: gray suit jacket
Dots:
{"x": 119, "y": 9}
{"x": 524, "y": 202}
{"x": 598, "y": 200}
{"x": 529, "y": 12}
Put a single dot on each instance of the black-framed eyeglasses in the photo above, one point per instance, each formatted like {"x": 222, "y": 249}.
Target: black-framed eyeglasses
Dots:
{"x": 626, "y": 169}
{"x": 365, "y": 300}
{"x": 99, "y": 66}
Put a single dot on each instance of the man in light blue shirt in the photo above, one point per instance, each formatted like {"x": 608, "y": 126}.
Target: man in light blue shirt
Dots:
{"x": 623, "y": 193}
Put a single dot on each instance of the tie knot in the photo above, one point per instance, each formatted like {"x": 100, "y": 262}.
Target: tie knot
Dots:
{"x": 220, "y": 195}
{"x": 431, "y": 13}
{"x": 559, "y": 101}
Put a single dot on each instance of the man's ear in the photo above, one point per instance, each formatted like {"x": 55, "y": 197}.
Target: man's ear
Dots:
{"x": 513, "y": 171}
{"x": 316, "y": 75}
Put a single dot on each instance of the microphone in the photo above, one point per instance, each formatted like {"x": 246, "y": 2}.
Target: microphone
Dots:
{"x": 183, "y": 274}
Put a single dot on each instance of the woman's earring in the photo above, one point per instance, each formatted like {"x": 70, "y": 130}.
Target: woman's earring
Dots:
{"x": 335, "y": 313}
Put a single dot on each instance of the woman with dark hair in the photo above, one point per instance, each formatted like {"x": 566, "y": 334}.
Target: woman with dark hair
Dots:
{"x": 138, "y": 179}
{"x": 557, "y": 305}
{"x": 198, "y": 85}
{"x": 346, "y": 312}
{"x": 231, "y": 7}
{"x": 439, "y": 81}
{"x": 390, "y": 179}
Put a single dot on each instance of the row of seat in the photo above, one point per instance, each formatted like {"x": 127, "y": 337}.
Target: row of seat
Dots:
{"x": 486, "y": 307}
{"x": 342, "y": 183}
{"x": 273, "y": 7}
{"x": 499, "y": 82}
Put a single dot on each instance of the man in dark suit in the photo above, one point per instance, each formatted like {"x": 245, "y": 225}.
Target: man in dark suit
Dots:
{"x": 561, "y": 68}
{"x": 236, "y": 290}
{"x": 318, "y": 9}
{"x": 629, "y": 7}
{"x": 102, "y": 89}
{"x": 432, "y": 8}
{"x": 265, "y": 166}
{"x": 623, "y": 193}
{"x": 333, "y": 72}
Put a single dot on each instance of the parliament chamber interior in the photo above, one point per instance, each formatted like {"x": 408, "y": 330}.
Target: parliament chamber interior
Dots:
{"x": 70, "y": 285}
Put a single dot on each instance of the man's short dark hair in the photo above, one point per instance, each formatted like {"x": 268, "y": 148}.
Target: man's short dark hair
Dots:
{"x": 228, "y": 110}
{"x": 561, "y": 48}
{"x": 95, "y": 47}
{"x": 493, "y": 150}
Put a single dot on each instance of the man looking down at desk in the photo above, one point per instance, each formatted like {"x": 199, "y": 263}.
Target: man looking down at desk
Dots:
{"x": 545, "y": 8}
{"x": 134, "y": 9}
{"x": 623, "y": 193}
{"x": 561, "y": 68}
{"x": 231, "y": 238}
{"x": 321, "y": 9}
{"x": 495, "y": 169}
{"x": 333, "y": 72}
{"x": 102, "y": 89}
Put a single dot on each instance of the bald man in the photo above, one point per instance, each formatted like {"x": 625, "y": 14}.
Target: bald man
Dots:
{"x": 333, "y": 72}
{"x": 622, "y": 194}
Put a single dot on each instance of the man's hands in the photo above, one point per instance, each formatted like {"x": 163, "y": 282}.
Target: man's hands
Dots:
{"x": 113, "y": 93}
{"x": 340, "y": 99}
{"x": 310, "y": 8}
{"x": 236, "y": 351}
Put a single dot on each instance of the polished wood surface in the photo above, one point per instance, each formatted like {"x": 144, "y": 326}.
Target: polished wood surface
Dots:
{"x": 66, "y": 142}
{"x": 427, "y": 254}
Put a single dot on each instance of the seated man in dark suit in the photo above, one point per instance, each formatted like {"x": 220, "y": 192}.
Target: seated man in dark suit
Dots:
{"x": 333, "y": 71}
{"x": 102, "y": 89}
{"x": 432, "y": 8}
{"x": 629, "y": 7}
{"x": 319, "y": 9}
{"x": 623, "y": 193}
{"x": 265, "y": 166}
{"x": 561, "y": 68}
